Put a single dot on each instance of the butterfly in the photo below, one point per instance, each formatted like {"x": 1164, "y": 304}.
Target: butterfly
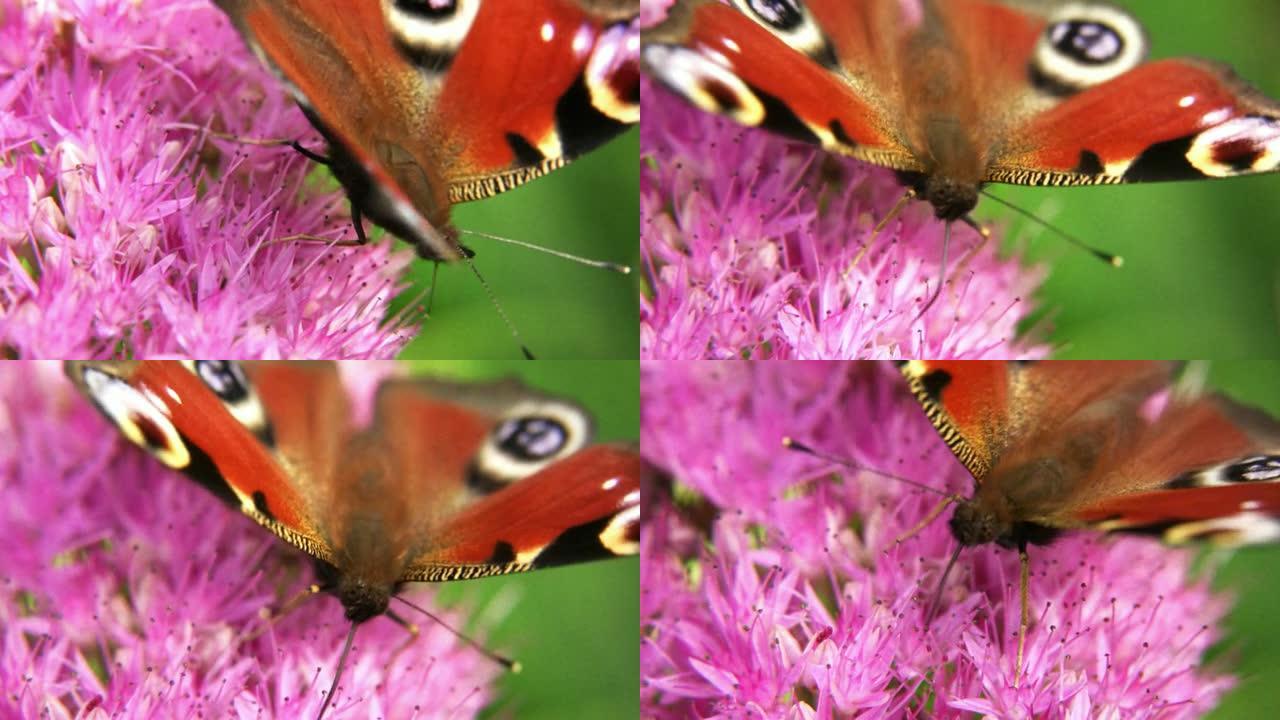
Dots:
{"x": 448, "y": 481}
{"x": 953, "y": 95}
{"x": 424, "y": 103}
{"x": 1062, "y": 445}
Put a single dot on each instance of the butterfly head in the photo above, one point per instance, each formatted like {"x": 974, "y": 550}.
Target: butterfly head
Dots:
{"x": 951, "y": 199}
{"x": 975, "y": 524}
{"x": 362, "y": 599}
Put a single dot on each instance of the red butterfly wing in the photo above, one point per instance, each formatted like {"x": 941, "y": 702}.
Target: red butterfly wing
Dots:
{"x": 986, "y": 409}
{"x": 363, "y": 96}
{"x": 206, "y": 420}
{"x": 498, "y": 473}
{"x": 585, "y": 507}
{"x": 1208, "y": 469}
{"x": 1167, "y": 120}
{"x": 722, "y": 61}
{"x": 534, "y": 84}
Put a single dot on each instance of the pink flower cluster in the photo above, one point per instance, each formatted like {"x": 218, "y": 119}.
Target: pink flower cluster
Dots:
{"x": 797, "y": 603}
{"x": 127, "y": 228}
{"x": 750, "y": 244}
{"x": 128, "y": 592}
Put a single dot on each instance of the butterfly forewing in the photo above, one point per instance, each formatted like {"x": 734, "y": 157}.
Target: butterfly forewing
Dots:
{"x": 586, "y": 507}
{"x": 983, "y": 409}
{"x": 716, "y": 58}
{"x": 424, "y": 104}
{"x": 1113, "y": 445}
{"x": 550, "y": 81}
{"x": 204, "y": 419}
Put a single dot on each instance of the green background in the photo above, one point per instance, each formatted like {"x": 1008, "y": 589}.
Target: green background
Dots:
{"x": 1202, "y": 273}
{"x": 574, "y": 629}
{"x": 561, "y": 308}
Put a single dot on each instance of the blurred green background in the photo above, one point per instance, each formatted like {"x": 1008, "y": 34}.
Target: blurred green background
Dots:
{"x": 574, "y": 629}
{"x": 561, "y": 308}
{"x": 1202, "y": 273}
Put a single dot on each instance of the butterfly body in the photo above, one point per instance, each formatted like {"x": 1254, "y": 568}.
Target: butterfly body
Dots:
{"x": 1061, "y": 445}
{"x": 447, "y": 481}
{"x": 424, "y": 104}
{"x": 961, "y": 93}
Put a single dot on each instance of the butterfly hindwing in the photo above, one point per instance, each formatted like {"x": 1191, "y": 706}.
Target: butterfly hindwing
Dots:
{"x": 1168, "y": 120}
{"x": 509, "y": 471}
{"x": 534, "y": 84}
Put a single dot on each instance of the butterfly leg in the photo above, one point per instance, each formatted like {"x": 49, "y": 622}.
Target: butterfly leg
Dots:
{"x": 942, "y": 583}
{"x": 357, "y": 221}
{"x": 907, "y": 197}
{"x": 270, "y": 617}
{"x": 356, "y": 216}
{"x": 928, "y": 518}
{"x": 410, "y": 628}
{"x": 983, "y": 232}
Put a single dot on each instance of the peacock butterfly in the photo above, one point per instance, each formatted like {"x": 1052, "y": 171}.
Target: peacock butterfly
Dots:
{"x": 425, "y": 103}
{"x": 1114, "y": 446}
{"x": 448, "y": 480}
{"x": 957, "y": 94}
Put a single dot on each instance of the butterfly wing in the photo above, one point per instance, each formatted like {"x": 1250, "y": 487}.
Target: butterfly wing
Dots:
{"x": 511, "y": 481}
{"x": 586, "y": 507}
{"x": 423, "y": 106}
{"x": 534, "y": 84}
{"x": 1094, "y": 112}
{"x": 1169, "y": 120}
{"x": 1206, "y": 469}
{"x": 816, "y": 73}
{"x": 364, "y": 97}
{"x": 1034, "y": 93}
{"x": 986, "y": 409}
{"x": 206, "y": 419}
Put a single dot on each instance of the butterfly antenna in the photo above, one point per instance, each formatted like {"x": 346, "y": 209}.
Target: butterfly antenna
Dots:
{"x": 493, "y": 298}
{"x": 1109, "y": 258}
{"x": 502, "y": 660}
{"x": 942, "y": 273}
{"x": 602, "y": 264}
{"x": 793, "y": 444}
{"x": 342, "y": 664}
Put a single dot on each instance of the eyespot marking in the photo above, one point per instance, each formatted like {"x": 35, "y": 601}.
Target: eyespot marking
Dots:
{"x": 1237, "y": 146}
{"x": 140, "y": 416}
{"x": 1086, "y": 44}
{"x": 529, "y": 436}
{"x": 429, "y": 32}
